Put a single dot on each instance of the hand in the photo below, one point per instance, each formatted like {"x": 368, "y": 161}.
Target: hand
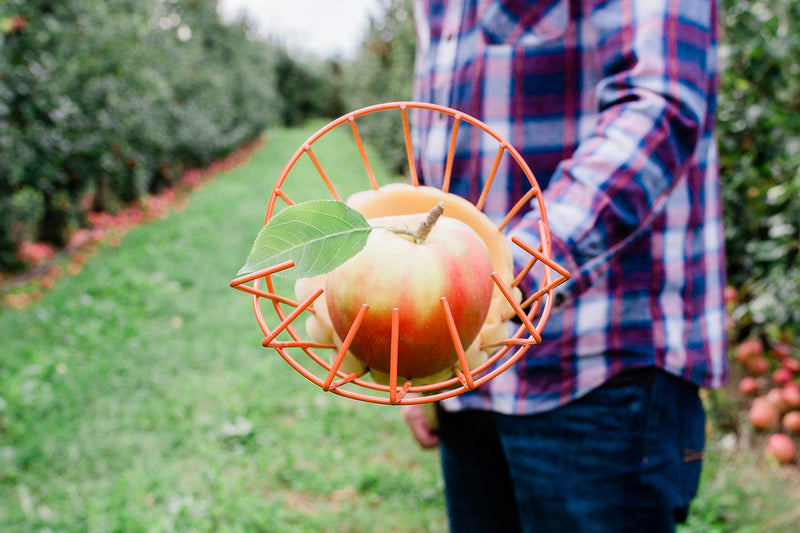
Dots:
{"x": 422, "y": 425}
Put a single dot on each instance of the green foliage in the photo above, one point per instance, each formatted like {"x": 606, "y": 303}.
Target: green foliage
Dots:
{"x": 308, "y": 88}
{"x": 106, "y": 100}
{"x": 759, "y": 135}
{"x": 384, "y": 72}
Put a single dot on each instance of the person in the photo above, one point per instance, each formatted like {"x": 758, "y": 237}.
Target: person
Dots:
{"x": 611, "y": 102}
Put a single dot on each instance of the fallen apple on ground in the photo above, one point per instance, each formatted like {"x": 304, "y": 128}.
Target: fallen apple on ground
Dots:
{"x": 763, "y": 414}
{"x": 401, "y": 267}
{"x": 781, "y": 447}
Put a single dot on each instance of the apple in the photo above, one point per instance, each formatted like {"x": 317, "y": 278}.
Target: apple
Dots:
{"x": 782, "y": 376}
{"x": 791, "y": 395}
{"x": 763, "y": 414}
{"x": 757, "y": 365}
{"x": 781, "y": 447}
{"x": 776, "y": 398}
{"x": 748, "y": 385}
{"x": 731, "y": 295}
{"x": 791, "y": 364}
{"x": 791, "y": 422}
{"x": 397, "y": 269}
{"x": 782, "y": 350}
{"x": 749, "y": 348}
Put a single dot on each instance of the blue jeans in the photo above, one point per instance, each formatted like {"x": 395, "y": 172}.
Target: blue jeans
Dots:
{"x": 624, "y": 458}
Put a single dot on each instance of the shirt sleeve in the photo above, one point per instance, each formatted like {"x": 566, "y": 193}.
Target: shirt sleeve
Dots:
{"x": 656, "y": 67}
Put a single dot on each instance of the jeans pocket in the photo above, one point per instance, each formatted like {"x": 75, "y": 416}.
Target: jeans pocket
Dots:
{"x": 525, "y": 23}
{"x": 675, "y": 442}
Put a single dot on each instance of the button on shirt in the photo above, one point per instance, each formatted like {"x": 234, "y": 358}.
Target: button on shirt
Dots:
{"x": 611, "y": 103}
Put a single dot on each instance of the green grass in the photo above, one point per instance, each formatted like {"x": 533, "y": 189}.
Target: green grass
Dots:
{"x": 136, "y": 397}
{"x": 741, "y": 490}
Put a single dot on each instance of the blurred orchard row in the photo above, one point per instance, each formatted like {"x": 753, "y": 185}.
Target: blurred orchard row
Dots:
{"x": 105, "y": 102}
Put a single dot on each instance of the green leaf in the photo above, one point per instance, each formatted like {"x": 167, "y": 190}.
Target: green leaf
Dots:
{"x": 318, "y": 235}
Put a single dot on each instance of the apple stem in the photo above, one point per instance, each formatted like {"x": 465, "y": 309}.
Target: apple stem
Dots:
{"x": 427, "y": 225}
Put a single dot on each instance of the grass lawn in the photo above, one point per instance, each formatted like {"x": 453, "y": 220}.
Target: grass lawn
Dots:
{"x": 137, "y": 397}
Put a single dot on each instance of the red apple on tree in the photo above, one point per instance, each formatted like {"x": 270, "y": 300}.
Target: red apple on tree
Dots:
{"x": 403, "y": 267}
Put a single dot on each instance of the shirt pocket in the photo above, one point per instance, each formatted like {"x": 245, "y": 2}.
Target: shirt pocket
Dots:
{"x": 524, "y": 22}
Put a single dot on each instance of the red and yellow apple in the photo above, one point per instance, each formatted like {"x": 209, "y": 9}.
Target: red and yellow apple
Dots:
{"x": 395, "y": 271}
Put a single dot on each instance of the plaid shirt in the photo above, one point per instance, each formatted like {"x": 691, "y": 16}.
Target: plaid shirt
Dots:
{"x": 611, "y": 103}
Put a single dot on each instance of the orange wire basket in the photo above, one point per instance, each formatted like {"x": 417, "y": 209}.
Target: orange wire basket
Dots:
{"x": 303, "y": 355}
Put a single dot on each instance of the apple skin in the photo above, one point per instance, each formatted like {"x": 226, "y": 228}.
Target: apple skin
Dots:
{"x": 392, "y": 271}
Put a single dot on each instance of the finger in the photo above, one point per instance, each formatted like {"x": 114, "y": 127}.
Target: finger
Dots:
{"x": 421, "y": 429}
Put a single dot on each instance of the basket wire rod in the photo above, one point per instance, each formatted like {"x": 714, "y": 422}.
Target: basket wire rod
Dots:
{"x": 406, "y": 387}
{"x": 451, "y": 152}
{"x": 277, "y": 191}
{"x": 412, "y": 168}
{"x": 322, "y": 173}
{"x": 298, "y": 367}
{"x": 539, "y": 256}
{"x": 357, "y": 136}
{"x": 348, "y": 339}
{"x": 301, "y": 344}
{"x": 465, "y": 378}
{"x": 547, "y": 246}
{"x": 520, "y": 312}
{"x": 271, "y": 296}
{"x": 533, "y": 303}
{"x": 291, "y": 316}
{"x": 261, "y": 273}
{"x": 490, "y": 179}
{"x": 349, "y": 378}
{"x": 483, "y": 379}
{"x": 508, "y": 342}
{"x": 280, "y": 193}
{"x": 396, "y": 395}
{"x": 534, "y": 259}
{"x": 393, "y": 355}
{"x": 462, "y": 358}
{"x": 533, "y": 191}
{"x": 264, "y": 294}
{"x": 545, "y": 288}
{"x": 255, "y": 277}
